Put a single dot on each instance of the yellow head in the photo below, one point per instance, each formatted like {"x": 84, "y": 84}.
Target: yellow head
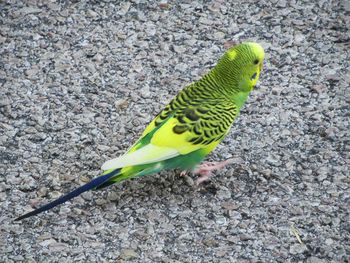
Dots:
{"x": 242, "y": 65}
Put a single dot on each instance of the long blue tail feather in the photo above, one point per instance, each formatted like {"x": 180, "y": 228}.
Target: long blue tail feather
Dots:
{"x": 86, "y": 187}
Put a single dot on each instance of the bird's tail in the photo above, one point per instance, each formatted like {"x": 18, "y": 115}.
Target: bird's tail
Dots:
{"x": 93, "y": 184}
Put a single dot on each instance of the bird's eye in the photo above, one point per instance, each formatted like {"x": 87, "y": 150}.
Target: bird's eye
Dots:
{"x": 256, "y": 62}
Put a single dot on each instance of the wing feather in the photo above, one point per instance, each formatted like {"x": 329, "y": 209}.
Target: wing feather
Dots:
{"x": 196, "y": 126}
{"x": 147, "y": 154}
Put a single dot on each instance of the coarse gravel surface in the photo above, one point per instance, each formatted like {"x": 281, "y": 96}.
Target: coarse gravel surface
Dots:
{"x": 79, "y": 81}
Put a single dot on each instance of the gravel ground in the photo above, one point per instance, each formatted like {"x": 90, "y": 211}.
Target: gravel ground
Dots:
{"x": 79, "y": 82}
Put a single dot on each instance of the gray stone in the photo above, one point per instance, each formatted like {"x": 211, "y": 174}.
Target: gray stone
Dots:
{"x": 78, "y": 84}
{"x": 297, "y": 249}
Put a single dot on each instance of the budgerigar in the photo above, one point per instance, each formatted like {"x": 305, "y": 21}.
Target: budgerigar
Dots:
{"x": 189, "y": 127}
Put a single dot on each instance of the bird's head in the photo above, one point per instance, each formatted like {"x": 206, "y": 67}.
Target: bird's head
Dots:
{"x": 242, "y": 64}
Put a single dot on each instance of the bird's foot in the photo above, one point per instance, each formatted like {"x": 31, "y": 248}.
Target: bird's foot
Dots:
{"x": 184, "y": 173}
{"x": 205, "y": 169}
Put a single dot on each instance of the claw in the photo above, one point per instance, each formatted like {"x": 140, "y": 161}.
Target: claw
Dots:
{"x": 183, "y": 173}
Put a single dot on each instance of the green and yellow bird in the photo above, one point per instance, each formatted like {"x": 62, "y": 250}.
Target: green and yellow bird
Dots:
{"x": 189, "y": 127}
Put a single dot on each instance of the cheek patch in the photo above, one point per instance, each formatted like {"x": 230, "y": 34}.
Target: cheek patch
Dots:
{"x": 253, "y": 76}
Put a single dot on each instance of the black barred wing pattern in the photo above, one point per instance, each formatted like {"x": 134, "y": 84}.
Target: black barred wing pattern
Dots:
{"x": 207, "y": 120}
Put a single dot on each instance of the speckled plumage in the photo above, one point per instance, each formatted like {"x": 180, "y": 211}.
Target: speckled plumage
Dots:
{"x": 190, "y": 126}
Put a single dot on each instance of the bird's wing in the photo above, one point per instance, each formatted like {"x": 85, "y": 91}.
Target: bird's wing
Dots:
{"x": 179, "y": 132}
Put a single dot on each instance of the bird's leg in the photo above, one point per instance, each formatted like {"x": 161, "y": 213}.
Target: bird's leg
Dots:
{"x": 205, "y": 169}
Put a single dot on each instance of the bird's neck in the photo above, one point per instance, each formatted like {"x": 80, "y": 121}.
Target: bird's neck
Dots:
{"x": 227, "y": 86}
{"x": 240, "y": 98}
